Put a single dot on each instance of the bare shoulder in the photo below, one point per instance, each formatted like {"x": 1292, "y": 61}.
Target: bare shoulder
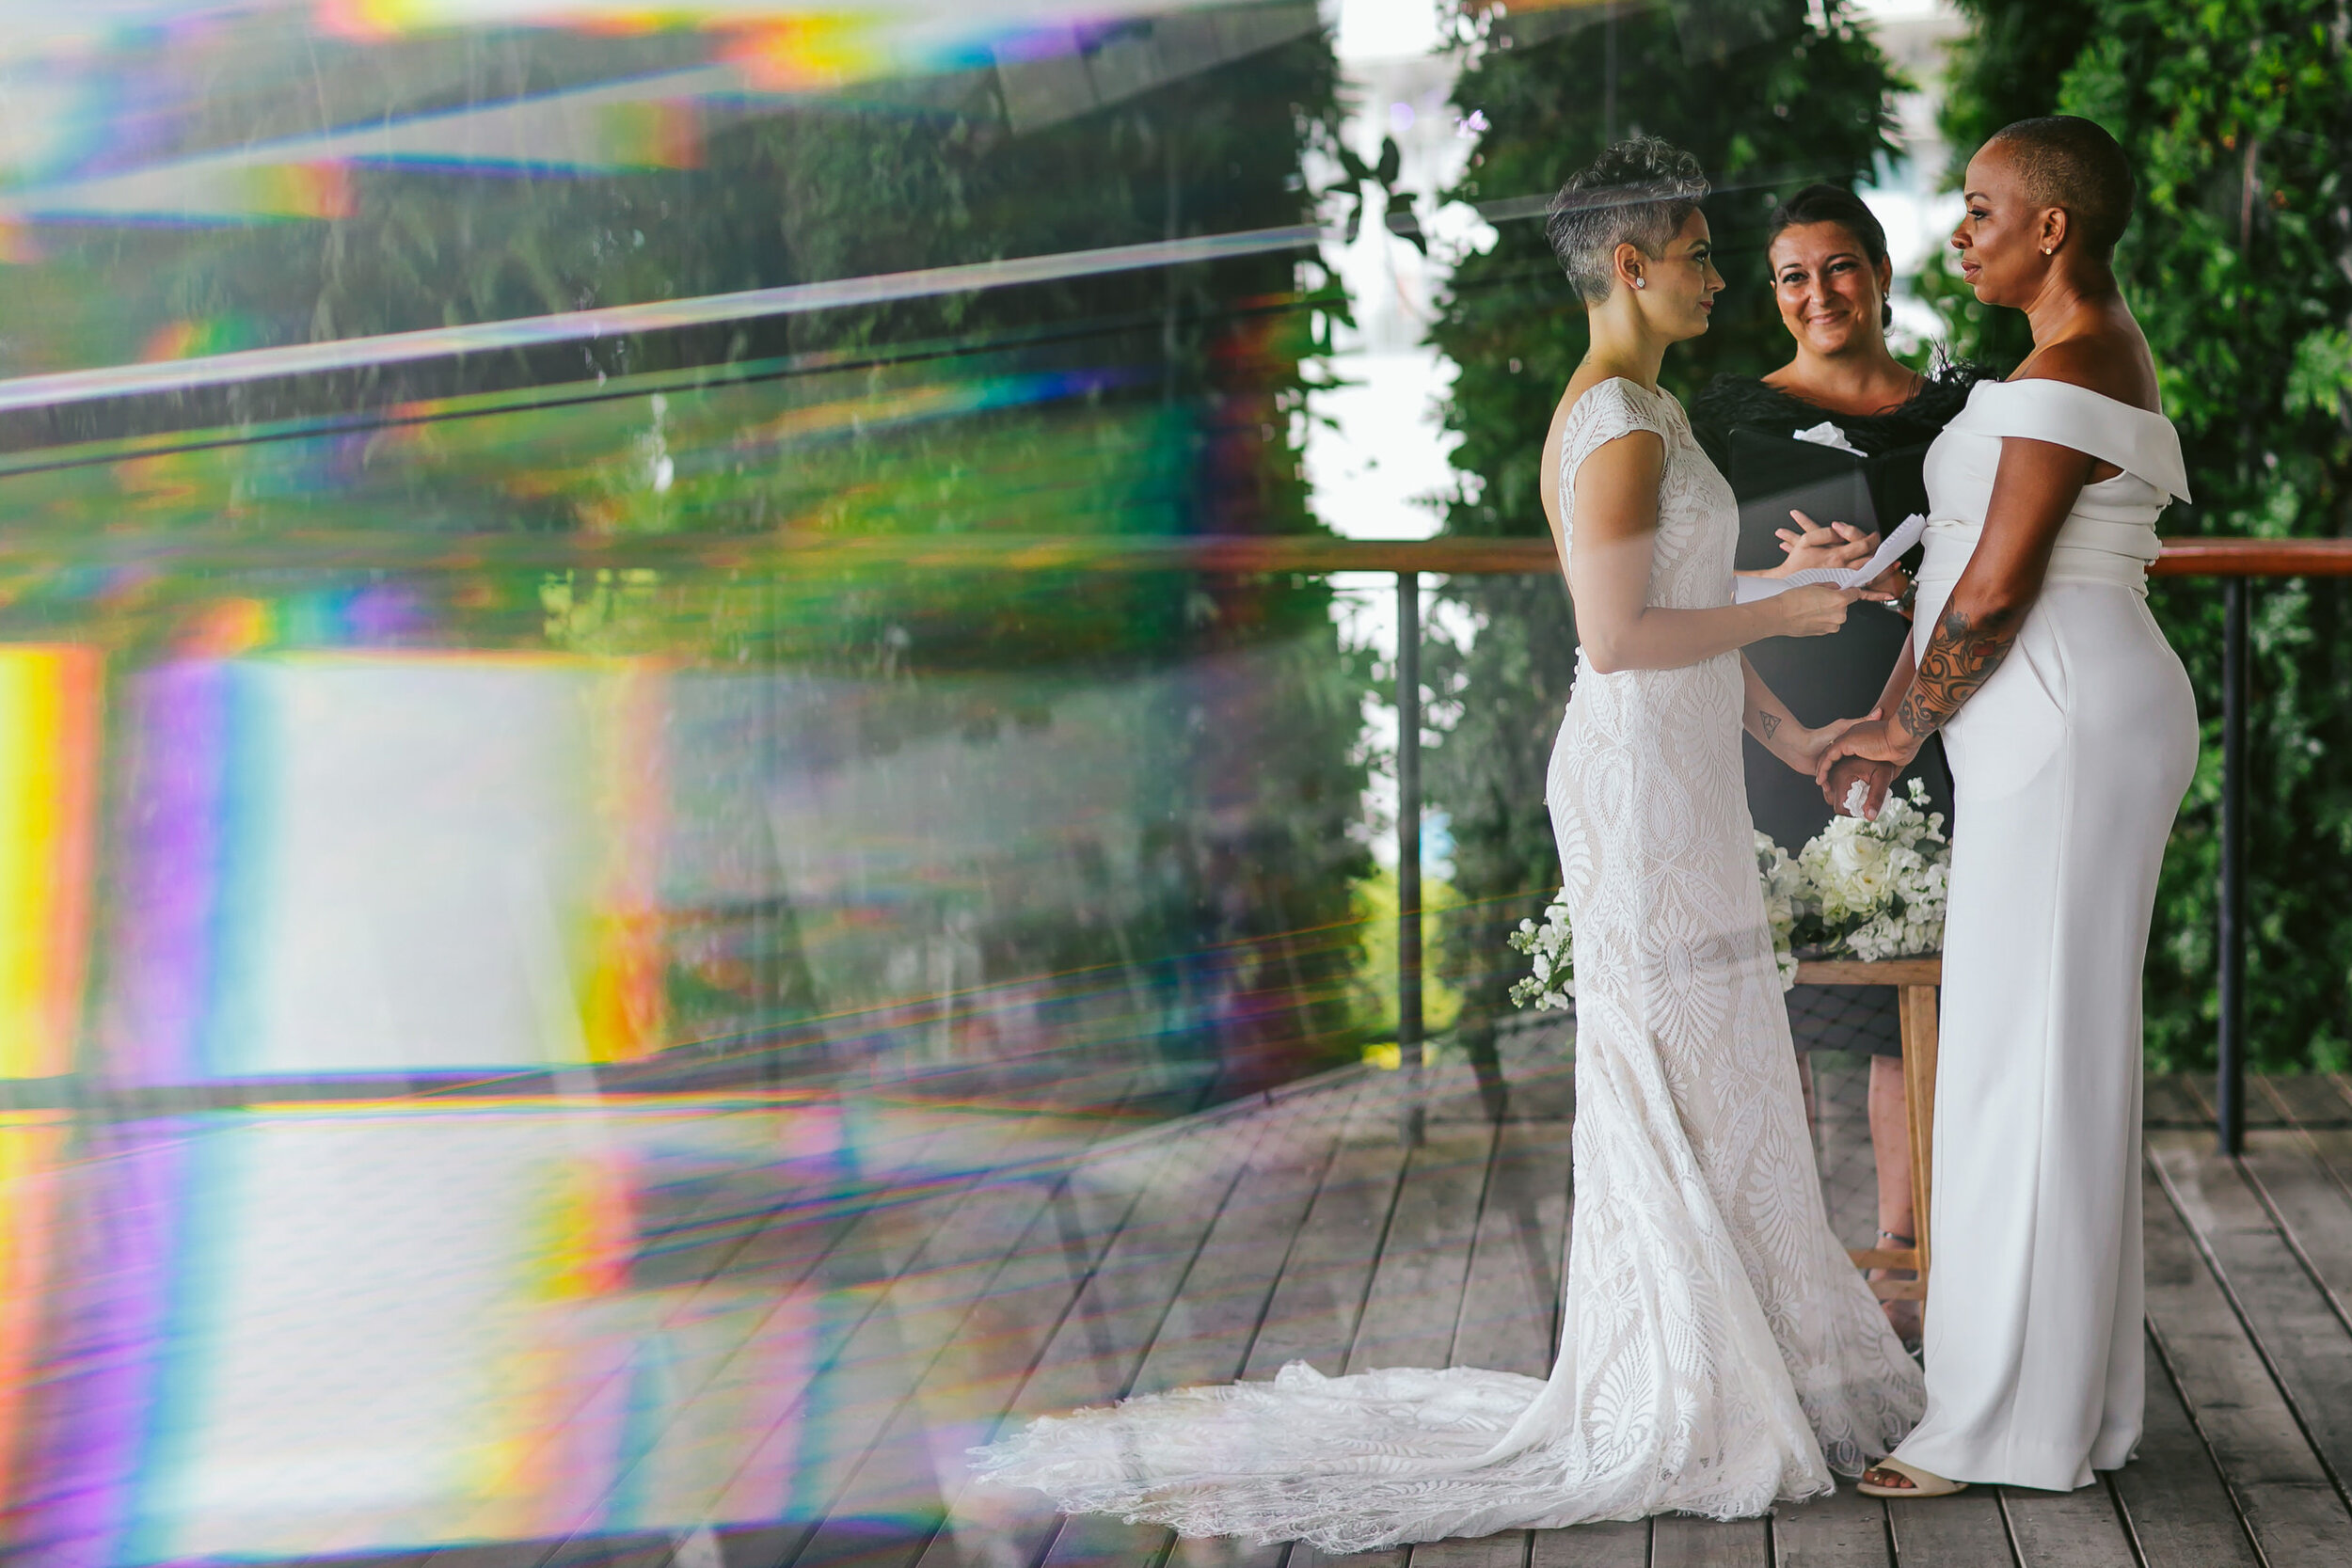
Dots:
{"x": 2113, "y": 362}
{"x": 1628, "y": 461}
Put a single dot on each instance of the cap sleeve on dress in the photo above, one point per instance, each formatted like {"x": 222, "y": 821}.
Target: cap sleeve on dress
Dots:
{"x": 2141, "y": 443}
{"x": 1605, "y": 411}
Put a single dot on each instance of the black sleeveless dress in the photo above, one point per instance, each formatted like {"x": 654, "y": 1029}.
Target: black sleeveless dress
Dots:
{"x": 1749, "y": 429}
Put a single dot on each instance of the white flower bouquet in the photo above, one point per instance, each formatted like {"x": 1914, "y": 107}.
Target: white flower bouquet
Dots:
{"x": 1879, "y": 887}
{"x": 1861, "y": 889}
{"x": 1554, "y": 980}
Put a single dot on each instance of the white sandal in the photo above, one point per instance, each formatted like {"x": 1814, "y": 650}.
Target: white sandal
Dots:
{"x": 1923, "y": 1483}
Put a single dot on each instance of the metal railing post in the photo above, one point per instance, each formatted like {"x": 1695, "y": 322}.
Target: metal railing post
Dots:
{"x": 1411, "y": 1050}
{"x": 2230, "y": 1093}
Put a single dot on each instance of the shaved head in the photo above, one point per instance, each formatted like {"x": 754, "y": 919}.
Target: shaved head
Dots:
{"x": 2066, "y": 162}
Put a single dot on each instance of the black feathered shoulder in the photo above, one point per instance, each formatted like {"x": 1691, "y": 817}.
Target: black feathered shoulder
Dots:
{"x": 1730, "y": 402}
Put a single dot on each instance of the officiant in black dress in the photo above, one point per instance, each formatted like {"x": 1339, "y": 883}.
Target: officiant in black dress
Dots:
{"x": 1838, "y": 435}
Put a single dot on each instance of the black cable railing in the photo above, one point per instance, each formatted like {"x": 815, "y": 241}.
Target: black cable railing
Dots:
{"x": 2237, "y": 562}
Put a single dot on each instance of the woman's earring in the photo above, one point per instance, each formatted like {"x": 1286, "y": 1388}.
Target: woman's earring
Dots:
{"x": 1641, "y": 282}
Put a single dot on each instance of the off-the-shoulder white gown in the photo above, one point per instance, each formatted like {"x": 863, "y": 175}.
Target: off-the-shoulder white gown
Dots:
{"x": 2069, "y": 765}
{"x": 1718, "y": 1350}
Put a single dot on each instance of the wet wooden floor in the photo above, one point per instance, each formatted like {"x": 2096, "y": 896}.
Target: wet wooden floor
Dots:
{"x": 1303, "y": 1228}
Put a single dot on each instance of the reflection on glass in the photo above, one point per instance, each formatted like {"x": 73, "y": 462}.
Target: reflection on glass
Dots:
{"x": 571, "y": 885}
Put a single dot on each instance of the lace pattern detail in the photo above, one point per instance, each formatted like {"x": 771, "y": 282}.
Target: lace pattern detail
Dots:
{"x": 1719, "y": 1351}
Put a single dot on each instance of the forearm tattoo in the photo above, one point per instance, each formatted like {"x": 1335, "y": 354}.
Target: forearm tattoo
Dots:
{"x": 1962, "y": 656}
{"x": 1767, "y": 721}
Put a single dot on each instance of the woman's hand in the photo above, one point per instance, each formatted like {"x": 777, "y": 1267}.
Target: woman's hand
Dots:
{"x": 1876, "y": 779}
{"x": 1815, "y": 610}
{"x": 1801, "y": 749}
{"x": 1811, "y": 544}
{"x": 1874, "y": 740}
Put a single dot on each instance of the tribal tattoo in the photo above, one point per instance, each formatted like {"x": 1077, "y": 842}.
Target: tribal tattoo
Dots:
{"x": 1960, "y": 657}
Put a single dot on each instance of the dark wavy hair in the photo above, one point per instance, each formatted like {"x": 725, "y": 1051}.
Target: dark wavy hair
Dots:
{"x": 1640, "y": 192}
{"x": 1832, "y": 204}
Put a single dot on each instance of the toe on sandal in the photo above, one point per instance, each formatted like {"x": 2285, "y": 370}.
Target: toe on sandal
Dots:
{"x": 1923, "y": 1483}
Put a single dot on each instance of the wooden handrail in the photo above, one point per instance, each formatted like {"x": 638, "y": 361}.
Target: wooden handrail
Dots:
{"x": 1242, "y": 555}
{"x": 2254, "y": 558}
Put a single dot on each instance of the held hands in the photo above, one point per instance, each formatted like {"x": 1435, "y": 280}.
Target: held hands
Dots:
{"x": 1811, "y": 544}
{"x": 1873, "y": 750}
{"x": 1803, "y": 750}
{"x": 1843, "y": 773}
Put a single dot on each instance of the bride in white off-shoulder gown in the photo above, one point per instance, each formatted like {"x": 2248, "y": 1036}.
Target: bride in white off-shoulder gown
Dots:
{"x": 1719, "y": 1351}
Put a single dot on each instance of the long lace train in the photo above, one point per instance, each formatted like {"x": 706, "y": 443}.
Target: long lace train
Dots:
{"x": 1718, "y": 1350}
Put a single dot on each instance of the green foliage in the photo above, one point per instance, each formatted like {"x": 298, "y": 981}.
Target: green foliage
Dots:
{"x": 2005, "y": 67}
{"x": 1766, "y": 111}
{"x": 2237, "y": 117}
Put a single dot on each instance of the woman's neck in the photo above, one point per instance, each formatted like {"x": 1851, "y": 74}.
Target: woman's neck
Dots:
{"x": 1859, "y": 383}
{"x": 2073, "y": 300}
{"x": 1621, "y": 343}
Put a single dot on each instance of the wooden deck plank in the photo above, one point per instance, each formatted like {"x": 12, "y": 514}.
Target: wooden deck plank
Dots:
{"x": 845, "y": 1264}
{"x": 1102, "y": 1326}
{"x": 1679, "y": 1541}
{"x": 1503, "y": 1549}
{"x": 2332, "y": 1148}
{"x": 2179, "y": 1512}
{"x": 1320, "y": 1296}
{"x": 2169, "y": 1101}
{"x": 1416, "y": 1294}
{"x": 1413, "y": 1291}
{"x": 1216, "y": 1318}
{"x": 2311, "y": 1206}
{"x": 2261, "y": 1110}
{"x": 1846, "y": 1531}
{"x": 2291, "y": 1318}
{"x": 1963, "y": 1532}
{"x": 1508, "y": 1296}
{"x": 1615, "y": 1544}
{"x": 2308, "y": 1100}
{"x": 1509, "y": 1319}
{"x": 2281, "y": 1488}
{"x": 979, "y": 1525}
{"x": 2067, "y": 1529}
{"x": 1206, "y": 1332}
{"x": 950, "y": 1354}
{"x": 959, "y": 1234}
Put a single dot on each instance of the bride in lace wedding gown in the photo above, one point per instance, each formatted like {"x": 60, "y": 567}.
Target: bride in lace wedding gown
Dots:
{"x": 1718, "y": 1350}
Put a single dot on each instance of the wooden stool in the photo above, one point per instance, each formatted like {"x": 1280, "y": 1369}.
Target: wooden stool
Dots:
{"x": 1916, "y": 981}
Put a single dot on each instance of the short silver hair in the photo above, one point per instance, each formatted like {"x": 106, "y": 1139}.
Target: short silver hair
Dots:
{"x": 1639, "y": 191}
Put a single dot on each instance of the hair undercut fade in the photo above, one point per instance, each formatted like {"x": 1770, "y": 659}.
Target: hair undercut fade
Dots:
{"x": 1638, "y": 192}
{"x": 2068, "y": 162}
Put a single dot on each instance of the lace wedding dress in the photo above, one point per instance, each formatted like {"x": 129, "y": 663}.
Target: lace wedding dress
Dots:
{"x": 1718, "y": 1351}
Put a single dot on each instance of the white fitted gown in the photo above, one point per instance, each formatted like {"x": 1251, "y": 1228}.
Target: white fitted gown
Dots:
{"x": 2069, "y": 764}
{"x": 1718, "y": 1350}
